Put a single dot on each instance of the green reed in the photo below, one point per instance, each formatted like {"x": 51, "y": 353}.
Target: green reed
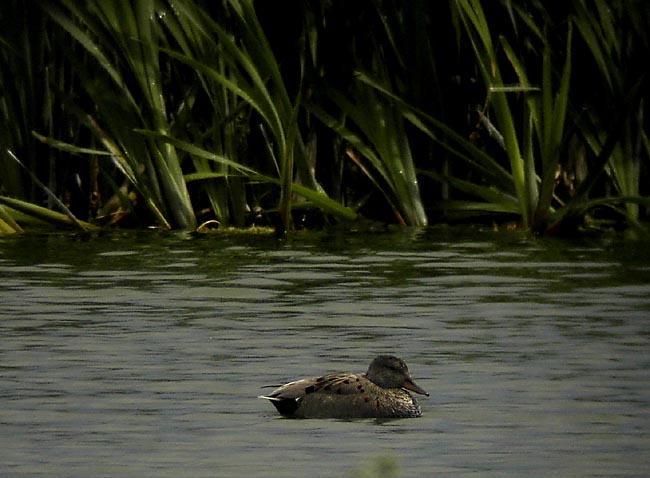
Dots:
{"x": 173, "y": 113}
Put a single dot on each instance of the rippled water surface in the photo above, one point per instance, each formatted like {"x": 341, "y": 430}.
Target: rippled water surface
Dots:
{"x": 142, "y": 354}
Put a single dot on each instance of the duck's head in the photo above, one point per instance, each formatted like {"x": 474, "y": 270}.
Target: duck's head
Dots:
{"x": 388, "y": 371}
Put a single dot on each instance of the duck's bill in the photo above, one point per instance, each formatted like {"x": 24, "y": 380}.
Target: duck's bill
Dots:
{"x": 410, "y": 385}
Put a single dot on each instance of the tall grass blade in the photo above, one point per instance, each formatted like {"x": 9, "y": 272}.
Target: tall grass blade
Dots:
{"x": 317, "y": 198}
{"x": 50, "y": 195}
{"x": 383, "y": 142}
{"x": 8, "y": 224}
{"x": 45, "y": 214}
{"x": 477, "y": 28}
{"x": 124, "y": 40}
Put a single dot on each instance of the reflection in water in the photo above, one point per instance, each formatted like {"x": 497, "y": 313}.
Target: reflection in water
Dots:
{"x": 143, "y": 355}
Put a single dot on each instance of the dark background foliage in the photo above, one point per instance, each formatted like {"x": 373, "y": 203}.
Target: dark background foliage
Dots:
{"x": 383, "y": 112}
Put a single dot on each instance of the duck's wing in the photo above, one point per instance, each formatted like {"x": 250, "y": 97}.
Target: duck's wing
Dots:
{"x": 288, "y": 397}
{"x": 332, "y": 383}
{"x": 290, "y": 391}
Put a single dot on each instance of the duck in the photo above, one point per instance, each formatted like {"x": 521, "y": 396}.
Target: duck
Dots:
{"x": 382, "y": 392}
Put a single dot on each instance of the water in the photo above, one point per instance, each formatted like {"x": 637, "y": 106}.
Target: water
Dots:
{"x": 142, "y": 354}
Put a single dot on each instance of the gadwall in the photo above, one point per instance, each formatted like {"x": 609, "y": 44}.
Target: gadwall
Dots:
{"x": 379, "y": 393}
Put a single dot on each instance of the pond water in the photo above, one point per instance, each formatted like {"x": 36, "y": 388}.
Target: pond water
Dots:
{"x": 142, "y": 354}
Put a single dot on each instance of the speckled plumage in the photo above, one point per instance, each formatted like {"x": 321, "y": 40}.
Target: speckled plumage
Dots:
{"x": 379, "y": 393}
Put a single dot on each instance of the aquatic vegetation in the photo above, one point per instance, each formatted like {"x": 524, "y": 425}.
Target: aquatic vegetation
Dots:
{"x": 173, "y": 114}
